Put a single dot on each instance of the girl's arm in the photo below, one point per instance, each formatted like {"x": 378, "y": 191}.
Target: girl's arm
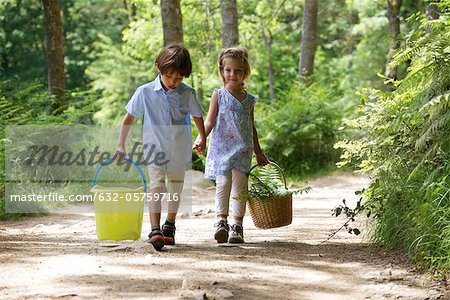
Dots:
{"x": 210, "y": 118}
{"x": 125, "y": 129}
{"x": 212, "y": 113}
{"x": 260, "y": 157}
{"x": 201, "y": 145}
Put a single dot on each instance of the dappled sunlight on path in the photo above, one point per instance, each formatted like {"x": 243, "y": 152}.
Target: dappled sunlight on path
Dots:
{"x": 59, "y": 256}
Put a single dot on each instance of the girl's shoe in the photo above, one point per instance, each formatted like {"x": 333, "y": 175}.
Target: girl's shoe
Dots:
{"x": 156, "y": 238}
{"x": 221, "y": 235}
{"x": 237, "y": 234}
{"x": 169, "y": 234}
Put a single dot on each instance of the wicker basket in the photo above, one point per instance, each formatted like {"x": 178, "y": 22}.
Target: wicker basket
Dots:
{"x": 272, "y": 212}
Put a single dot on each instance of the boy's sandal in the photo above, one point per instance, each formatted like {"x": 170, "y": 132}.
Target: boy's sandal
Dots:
{"x": 156, "y": 238}
{"x": 169, "y": 234}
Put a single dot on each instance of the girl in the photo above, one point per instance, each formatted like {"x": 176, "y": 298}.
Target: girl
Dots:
{"x": 233, "y": 139}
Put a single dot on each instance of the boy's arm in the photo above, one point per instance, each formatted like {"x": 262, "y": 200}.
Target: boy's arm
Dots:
{"x": 125, "y": 129}
{"x": 260, "y": 157}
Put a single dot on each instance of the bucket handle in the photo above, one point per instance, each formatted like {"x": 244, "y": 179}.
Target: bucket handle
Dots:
{"x": 128, "y": 159}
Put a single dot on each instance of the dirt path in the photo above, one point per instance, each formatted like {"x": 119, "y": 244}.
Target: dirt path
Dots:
{"x": 59, "y": 257}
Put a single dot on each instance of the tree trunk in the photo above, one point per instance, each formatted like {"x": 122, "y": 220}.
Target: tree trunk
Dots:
{"x": 172, "y": 21}
{"x": 131, "y": 11}
{"x": 353, "y": 38}
{"x": 432, "y": 13}
{"x": 3, "y": 51}
{"x": 55, "y": 53}
{"x": 309, "y": 37}
{"x": 200, "y": 93}
{"x": 268, "y": 43}
{"x": 5, "y": 62}
{"x": 230, "y": 31}
{"x": 393, "y": 15}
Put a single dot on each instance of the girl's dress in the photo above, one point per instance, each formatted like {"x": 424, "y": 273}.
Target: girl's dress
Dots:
{"x": 231, "y": 143}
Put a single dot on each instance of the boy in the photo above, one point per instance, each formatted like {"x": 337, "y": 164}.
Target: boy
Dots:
{"x": 166, "y": 104}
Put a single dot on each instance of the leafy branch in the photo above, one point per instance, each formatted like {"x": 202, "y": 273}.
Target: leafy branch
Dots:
{"x": 350, "y": 214}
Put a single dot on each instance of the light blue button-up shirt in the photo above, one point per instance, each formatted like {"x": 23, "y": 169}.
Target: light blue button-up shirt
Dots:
{"x": 167, "y": 123}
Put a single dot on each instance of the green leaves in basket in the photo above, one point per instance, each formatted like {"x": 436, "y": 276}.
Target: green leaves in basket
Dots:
{"x": 267, "y": 182}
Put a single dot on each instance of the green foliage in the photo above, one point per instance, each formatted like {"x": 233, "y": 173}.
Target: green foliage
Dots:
{"x": 112, "y": 52}
{"x": 83, "y": 21}
{"x": 350, "y": 214}
{"x": 22, "y": 36}
{"x": 23, "y": 40}
{"x": 201, "y": 19}
{"x": 406, "y": 148}
{"x": 299, "y": 127}
{"x": 120, "y": 68}
{"x": 14, "y": 112}
{"x": 26, "y": 103}
{"x": 115, "y": 75}
{"x": 300, "y": 134}
{"x": 401, "y": 138}
{"x": 271, "y": 28}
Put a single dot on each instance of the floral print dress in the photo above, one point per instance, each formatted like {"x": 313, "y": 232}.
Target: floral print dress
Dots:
{"x": 231, "y": 144}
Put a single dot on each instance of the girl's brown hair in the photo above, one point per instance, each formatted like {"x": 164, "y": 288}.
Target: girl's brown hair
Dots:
{"x": 238, "y": 53}
{"x": 175, "y": 58}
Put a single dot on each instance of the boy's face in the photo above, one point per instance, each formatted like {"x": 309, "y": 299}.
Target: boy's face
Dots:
{"x": 171, "y": 79}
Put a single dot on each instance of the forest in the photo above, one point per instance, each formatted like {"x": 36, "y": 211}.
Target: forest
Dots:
{"x": 360, "y": 85}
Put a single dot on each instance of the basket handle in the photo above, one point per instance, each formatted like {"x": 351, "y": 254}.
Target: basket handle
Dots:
{"x": 276, "y": 166}
{"x": 128, "y": 159}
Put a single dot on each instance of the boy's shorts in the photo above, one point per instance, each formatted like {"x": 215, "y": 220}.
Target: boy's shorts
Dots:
{"x": 175, "y": 180}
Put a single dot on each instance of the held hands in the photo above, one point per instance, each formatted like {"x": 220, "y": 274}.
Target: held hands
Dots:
{"x": 199, "y": 144}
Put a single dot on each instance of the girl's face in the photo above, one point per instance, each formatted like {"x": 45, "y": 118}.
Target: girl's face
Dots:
{"x": 233, "y": 72}
{"x": 171, "y": 80}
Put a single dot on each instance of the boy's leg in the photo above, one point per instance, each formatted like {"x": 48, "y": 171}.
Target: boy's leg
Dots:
{"x": 239, "y": 185}
{"x": 175, "y": 188}
{"x": 156, "y": 187}
{"x": 173, "y": 197}
{"x": 222, "y": 200}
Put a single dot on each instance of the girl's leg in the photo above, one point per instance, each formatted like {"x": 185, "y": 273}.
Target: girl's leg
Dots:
{"x": 222, "y": 199}
{"x": 239, "y": 185}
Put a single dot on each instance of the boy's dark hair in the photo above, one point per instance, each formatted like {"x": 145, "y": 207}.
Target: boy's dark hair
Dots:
{"x": 176, "y": 58}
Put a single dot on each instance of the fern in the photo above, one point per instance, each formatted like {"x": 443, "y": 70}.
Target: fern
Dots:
{"x": 266, "y": 183}
{"x": 26, "y": 103}
{"x": 407, "y": 148}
